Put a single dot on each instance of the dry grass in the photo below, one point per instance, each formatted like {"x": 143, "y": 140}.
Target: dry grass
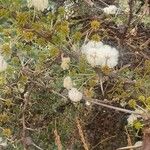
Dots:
{"x": 82, "y": 137}
{"x": 57, "y": 140}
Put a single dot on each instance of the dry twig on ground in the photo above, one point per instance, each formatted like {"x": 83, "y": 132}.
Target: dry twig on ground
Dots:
{"x": 85, "y": 145}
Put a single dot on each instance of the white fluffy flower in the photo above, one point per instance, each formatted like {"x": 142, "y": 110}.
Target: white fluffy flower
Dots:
{"x": 38, "y": 4}
{"x": 99, "y": 54}
{"x": 3, "y": 142}
{"x": 3, "y": 64}
{"x": 111, "y": 9}
{"x": 65, "y": 63}
{"x": 68, "y": 83}
{"x": 74, "y": 95}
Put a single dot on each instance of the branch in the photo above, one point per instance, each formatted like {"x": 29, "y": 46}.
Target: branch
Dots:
{"x": 116, "y": 108}
{"x": 23, "y": 123}
{"x": 129, "y": 147}
{"x": 102, "y": 103}
{"x": 129, "y": 21}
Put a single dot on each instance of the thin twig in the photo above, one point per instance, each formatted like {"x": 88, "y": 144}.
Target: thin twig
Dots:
{"x": 103, "y": 141}
{"x": 90, "y": 78}
{"x": 129, "y": 147}
{"x": 131, "y": 2}
{"x": 115, "y": 108}
{"x": 23, "y": 123}
{"x": 104, "y": 3}
{"x": 37, "y": 146}
{"x": 101, "y": 83}
{"x": 24, "y": 128}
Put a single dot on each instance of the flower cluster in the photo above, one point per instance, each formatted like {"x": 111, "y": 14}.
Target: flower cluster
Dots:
{"x": 95, "y": 24}
{"x": 111, "y": 9}
{"x": 73, "y": 93}
{"x": 99, "y": 54}
{"x": 68, "y": 83}
{"x": 65, "y": 62}
{"x": 3, "y": 64}
{"x": 39, "y": 5}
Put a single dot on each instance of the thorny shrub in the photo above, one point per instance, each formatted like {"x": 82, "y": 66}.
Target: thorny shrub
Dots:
{"x": 42, "y": 46}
